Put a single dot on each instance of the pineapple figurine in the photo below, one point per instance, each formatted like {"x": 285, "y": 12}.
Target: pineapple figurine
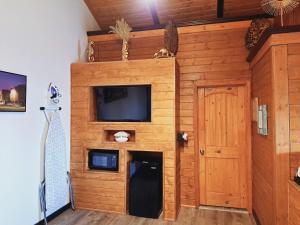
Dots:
{"x": 122, "y": 29}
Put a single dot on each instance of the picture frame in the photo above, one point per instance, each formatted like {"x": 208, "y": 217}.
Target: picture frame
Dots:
{"x": 13, "y": 92}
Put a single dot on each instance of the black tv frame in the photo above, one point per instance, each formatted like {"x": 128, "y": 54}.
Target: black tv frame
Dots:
{"x": 126, "y": 121}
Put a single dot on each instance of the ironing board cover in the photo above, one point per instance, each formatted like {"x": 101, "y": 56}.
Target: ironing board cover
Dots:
{"x": 55, "y": 166}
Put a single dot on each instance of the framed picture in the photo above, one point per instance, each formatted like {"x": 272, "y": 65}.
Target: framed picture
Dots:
{"x": 12, "y": 92}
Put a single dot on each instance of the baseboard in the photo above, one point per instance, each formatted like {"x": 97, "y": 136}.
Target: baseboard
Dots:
{"x": 55, "y": 214}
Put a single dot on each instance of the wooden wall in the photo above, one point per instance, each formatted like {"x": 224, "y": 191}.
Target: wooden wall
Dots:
{"x": 107, "y": 191}
{"x": 294, "y": 102}
{"x": 207, "y": 52}
{"x": 293, "y": 18}
{"x": 263, "y": 146}
{"x": 294, "y": 204}
{"x": 275, "y": 76}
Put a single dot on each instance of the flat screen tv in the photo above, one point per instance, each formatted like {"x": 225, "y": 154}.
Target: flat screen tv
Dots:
{"x": 123, "y": 103}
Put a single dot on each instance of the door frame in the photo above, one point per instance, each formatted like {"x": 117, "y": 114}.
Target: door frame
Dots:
{"x": 223, "y": 83}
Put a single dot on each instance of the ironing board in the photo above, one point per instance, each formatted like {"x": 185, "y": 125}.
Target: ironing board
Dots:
{"x": 56, "y": 183}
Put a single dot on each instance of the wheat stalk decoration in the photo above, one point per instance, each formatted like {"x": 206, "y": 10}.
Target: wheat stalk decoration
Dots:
{"x": 122, "y": 29}
{"x": 279, "y": 7}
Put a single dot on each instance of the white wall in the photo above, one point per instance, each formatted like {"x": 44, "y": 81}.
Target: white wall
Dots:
{"x": 40, "y": 39}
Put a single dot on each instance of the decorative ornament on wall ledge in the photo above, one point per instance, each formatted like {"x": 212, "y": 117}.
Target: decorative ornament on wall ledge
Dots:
{"x": 121, "y": 136}
{"x": 90, "y": 51}
{"x": 257, "y": 28}
{"x": 122, "y": 29}
{"x": 279, "y": 7}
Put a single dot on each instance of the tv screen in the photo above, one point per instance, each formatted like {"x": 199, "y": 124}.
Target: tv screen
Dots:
{"x": 123, "y": 103}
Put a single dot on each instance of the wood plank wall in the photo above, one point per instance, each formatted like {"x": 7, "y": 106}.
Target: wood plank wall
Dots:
{"x": 207, "y": 52}
{"x": 294, "y": 204}
{"x": 293, "y": 18}
{"x": 290, "y": 19}
{"x": 275, "y": 76}
{"x": 263, "y": 146}
{"x": 294, "y": 102}
{"x": 106, "y": 191}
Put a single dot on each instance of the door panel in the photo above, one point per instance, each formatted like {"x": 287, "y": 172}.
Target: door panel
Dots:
{"x": 222, "y": 152}
{"x": 228, "y": 182}
{"x": 222, "y": 138}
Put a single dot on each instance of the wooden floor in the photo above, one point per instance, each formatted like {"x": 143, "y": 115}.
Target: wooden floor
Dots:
{"x": 187, "y": 216}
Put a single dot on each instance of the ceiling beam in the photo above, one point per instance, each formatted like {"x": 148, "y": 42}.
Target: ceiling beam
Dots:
{"x": 187, "y": 23}
{"x": 153, "y": 10}
{"x": 220, "y": 9}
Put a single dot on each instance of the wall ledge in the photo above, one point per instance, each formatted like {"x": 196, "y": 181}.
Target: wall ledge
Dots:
{"x": 274, "y": 36}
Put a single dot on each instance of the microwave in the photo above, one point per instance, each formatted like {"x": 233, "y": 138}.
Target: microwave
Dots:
{"x": 107, "y": 160}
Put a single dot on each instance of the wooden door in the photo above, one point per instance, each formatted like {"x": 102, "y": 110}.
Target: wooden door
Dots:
{"x": 222, "y": 142}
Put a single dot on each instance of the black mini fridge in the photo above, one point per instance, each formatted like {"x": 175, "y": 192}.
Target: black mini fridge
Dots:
{"x": 145, "y": 189}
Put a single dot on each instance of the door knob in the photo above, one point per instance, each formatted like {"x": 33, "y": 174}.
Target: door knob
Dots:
{"x": 202, "y": 151}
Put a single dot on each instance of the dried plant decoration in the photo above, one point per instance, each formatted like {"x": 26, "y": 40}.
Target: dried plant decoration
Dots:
{"x": 171, "y": 37}
{"x": 255, "y": 31}
{"x": 90, "y": 51}
{"x": 122, "y": 29}
{"x": 279, "y": 7}
{"x": 170, "y": 42}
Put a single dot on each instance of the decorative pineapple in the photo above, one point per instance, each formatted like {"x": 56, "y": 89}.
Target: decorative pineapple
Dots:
{"x": 122, "y": 29}
{"x": 255, "y": 31}
{"x": 90, "y": 51}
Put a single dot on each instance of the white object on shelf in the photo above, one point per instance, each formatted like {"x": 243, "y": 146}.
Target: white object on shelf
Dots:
{"x": 121, "y": 136}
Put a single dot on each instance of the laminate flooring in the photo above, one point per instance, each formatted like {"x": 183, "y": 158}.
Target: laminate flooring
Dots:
{"x": 187, "y": 216}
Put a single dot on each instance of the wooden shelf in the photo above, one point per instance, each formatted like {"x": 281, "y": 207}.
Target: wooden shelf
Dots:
{"x": 268, "y": 33}
{"x": 105, "y": 123}
{"x": 94, "y": 171}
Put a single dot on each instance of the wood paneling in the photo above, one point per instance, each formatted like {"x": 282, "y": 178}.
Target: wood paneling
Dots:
{"x": 236, "y": 8}
{"x": 138, "y": 12}
{"x": 107, "y": 191}
{"x": 207, "y": 52}
{"x": 270, "y": 84}
{"x": 186, "y": 10}
{"x": 263, "y": 147}
{"x": 292, "y": 18}
{"x": 281, "y": 131}
{"x": 294, "y": 204}
{"x": 294, "y": 102}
